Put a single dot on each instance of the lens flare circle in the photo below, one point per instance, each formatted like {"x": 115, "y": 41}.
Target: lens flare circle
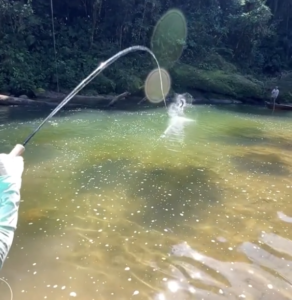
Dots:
{"x": 152, "y": 86}
{"x": 169, "y": 37}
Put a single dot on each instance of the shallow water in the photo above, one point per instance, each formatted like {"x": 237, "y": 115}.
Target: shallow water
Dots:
{"x": 110, "y": 210}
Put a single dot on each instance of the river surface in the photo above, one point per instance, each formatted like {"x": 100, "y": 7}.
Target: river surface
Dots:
{"x": 112, "y": 210}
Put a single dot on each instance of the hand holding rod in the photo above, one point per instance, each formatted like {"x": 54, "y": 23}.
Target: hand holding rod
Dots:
{"x": 17, "y": 150}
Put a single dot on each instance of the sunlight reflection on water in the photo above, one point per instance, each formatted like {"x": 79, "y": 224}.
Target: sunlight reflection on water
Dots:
{"x": 110, "y": 211}
{"x": 238, "y": 280}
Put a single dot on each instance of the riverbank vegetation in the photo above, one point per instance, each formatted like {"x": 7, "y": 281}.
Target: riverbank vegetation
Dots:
{"x": 237, "y": 48}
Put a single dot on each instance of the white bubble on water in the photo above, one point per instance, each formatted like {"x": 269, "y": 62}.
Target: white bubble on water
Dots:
{"x": 177, "y": 119}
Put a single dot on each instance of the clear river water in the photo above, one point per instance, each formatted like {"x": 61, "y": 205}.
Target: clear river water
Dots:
{"x": 111, "y": 210}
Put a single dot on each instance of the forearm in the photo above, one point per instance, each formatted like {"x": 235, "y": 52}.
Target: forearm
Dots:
{"x": 9, "y": 205}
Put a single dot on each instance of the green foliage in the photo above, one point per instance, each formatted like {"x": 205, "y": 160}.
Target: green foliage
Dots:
{"x": 188, "y": 78}
{"x": 224, "y": 39}
{"x": 130, "y": 83}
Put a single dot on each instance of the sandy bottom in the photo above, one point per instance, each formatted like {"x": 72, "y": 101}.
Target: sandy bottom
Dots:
{"x": 112, "y": 211}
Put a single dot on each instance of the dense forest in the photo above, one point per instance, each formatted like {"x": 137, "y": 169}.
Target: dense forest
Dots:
{"x": 235, "y": 48}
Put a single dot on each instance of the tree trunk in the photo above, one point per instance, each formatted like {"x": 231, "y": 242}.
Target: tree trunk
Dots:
{"x": 52, "y": 99}
{"x": 9, "y": 100}
{"x": 103, "y": 100}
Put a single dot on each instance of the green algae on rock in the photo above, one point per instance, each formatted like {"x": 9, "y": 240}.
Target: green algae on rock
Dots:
{"x": 188, "y": 78}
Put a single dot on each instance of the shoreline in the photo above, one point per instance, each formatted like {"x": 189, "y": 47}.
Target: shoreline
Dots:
{"x": 123, "y": 101}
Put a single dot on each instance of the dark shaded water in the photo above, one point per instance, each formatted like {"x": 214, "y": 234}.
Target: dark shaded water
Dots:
{"x": 112, "y": 211}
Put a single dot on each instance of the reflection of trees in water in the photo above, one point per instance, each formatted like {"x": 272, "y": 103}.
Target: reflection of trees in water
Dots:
{"x": 114, "y": 226}
{"x": 245, "y": 136}
{"x": 253, "y": 110}
{"x": 167, "y": 197}
{"x": 252, "y": 136}
{"x": 174, "y": 196}
{"x": 268, "y": 164}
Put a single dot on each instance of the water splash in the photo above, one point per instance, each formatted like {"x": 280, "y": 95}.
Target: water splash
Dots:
{"x": 177, "y": 119}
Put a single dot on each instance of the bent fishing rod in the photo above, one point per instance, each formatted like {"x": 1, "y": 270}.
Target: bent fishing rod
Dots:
{"x": 20, "y": 148}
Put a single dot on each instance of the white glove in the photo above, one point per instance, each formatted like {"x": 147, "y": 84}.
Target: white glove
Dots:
{"x": 11, "y": 165}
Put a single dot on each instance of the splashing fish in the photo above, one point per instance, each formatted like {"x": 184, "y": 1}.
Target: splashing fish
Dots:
{"x": 177, "y": 119}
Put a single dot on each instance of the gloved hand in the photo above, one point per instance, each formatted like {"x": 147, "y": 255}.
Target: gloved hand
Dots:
{"x": 11, "y": 169}
{"x": 11, "y": 165}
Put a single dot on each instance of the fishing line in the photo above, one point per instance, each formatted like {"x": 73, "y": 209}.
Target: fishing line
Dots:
{"x": 152, "y": 86}
{"x": 167, "y": 42}
{"x": 20, "y": 148}
{"x": 11, "y": 292}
